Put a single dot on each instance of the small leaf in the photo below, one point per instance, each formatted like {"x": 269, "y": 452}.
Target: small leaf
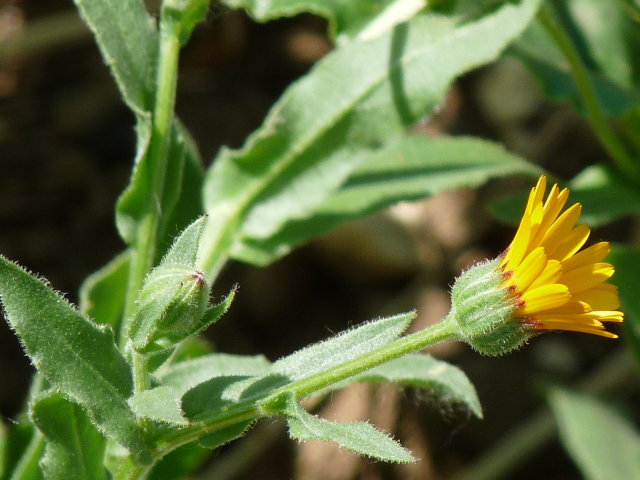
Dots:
{"x": 601, "y": 441}
{"x": 359, "y": 437}
{"x": 184, "y": 251}
{"x": 103, "y": 293}
{"x": 75, "y": 356}
{"x": 75, "y": 449}
{"x": 343, "y": 347}
{"x": 423, "y": 371}
{"x": 161, "y": 404}
{"x": 129, "y": 45}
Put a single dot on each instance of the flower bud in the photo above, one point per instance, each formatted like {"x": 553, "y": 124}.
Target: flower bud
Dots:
{"x": 484, "y": 309}
{"x": 170, "y": 307}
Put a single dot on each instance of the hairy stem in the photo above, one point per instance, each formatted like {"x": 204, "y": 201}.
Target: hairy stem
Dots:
{"x": 271, "y": 403}
{"x": 145, "y": 245}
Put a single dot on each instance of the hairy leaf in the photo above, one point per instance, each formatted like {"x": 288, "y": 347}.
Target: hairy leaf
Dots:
{"x": 423, "y": 371}
{"x": 343, "y": 347}
{"x": 75, "y": 449}
{"x": 103, "y": 294}
{"x": 359, "y": 437}
{"x": 129, "y": 45}
{"x": 413, "y": 168}
{"x": 75, "y": 355}
{"x": 359, "y": 98}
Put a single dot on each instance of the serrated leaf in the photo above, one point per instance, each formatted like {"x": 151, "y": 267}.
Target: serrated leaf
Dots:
{"x": 423, "y": 371}
{"x": 359, "y": 437}
{"x": 357, "y": 99}
{"x": 75, "y": 449}
{"x": 129, "y": 45}
{"x": 413, "y": 168}
{"x": 602, "y": 442}
{"x": 343, "y": 347}
{"x": 75, "y": 356}
{"x": 103, "y": 293}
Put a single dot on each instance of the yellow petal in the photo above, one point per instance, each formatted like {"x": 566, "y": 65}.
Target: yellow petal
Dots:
{"x": 601, "y": 297}
{"x": 571, "y": 244}
{"x": 544, "y": 298}
{"x": 551, "y": 273}
{"x": 593, "y": 254}
{"x": 529, "y": 269}
{"x": 584, "y": 278}
{"x": 561, "y": 227}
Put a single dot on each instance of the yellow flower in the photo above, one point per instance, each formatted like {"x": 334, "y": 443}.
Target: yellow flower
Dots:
{"x": 553, "y": 284}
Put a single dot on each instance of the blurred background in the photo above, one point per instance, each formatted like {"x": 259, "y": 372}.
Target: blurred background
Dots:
{"x": 66, "y": 149}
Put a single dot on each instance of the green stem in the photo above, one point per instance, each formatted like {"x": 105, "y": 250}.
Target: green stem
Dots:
{"x": 270, "y": 403}
{"x": 445, "y": 330}
{"x": 593, "y": 108}
{"x": 145, "y": 245}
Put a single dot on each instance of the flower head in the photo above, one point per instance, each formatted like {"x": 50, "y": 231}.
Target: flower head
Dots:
{"x": 553, "y": 284}
{"x": 543, "y": 281}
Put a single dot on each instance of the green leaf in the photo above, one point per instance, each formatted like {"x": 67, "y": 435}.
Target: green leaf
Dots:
{"x": 605, "y": 195}
{"x": 76, "y": 356}
{"x": 28, "y": 466}
{"x": 129, "y": 45}
{"x": 75, "y": 449}
{"x": 184, "y": 251}
{"x": 163, "y": 403}
{"x": 547, "y": 64}
{"x": 186, "y": 375}
{"x": 348, "y": 19}
{"x": 4, "y": 449}
{"x": 610, "y": 32}
{"x": 423, "y": 371}
{"x": 359, "y": 437}
{"x": 601, "y": 441}
{"x": 18, "y": 437}
{"x": 627, "y": 278}
{"x": 103, "y": 293}
{"x": 357, "y": 99}
{"x": 180, "y": 200}
{"x": 413, "y": 168}
{"x": 225, "y": 435}
{"x": 180, "y": 463}
{"x": 343, "y": 347}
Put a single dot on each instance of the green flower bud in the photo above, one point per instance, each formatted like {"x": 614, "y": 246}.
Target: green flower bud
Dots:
{"x": 170, "y": 308}
{"x": 483, "y": 310}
